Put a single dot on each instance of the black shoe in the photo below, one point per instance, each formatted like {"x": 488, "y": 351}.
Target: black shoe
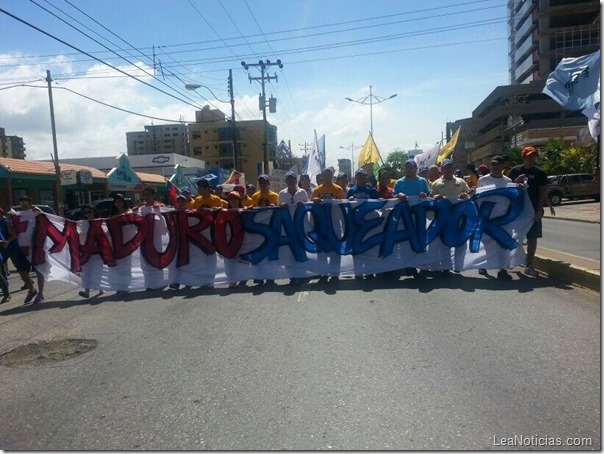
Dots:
{"x": 174, "y": 286}
{"x": 84, "y": 294}
{"x": 504, "y": 275}
{"x": 483, "y": 272}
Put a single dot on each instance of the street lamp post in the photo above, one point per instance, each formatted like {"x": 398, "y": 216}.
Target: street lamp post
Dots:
{"x": 351, "y": 148}
{"x": 370, "y": 100}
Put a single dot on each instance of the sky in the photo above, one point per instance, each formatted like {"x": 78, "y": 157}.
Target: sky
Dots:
{"x": 440, "y": 58}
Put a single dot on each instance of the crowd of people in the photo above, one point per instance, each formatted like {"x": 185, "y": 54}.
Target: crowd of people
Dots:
{"x": 423, "y": 181}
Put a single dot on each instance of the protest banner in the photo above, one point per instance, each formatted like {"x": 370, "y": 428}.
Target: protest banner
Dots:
{"x": 162, "y": 246}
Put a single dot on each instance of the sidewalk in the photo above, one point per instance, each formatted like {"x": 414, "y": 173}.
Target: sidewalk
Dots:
{"x": 567, "y": 267}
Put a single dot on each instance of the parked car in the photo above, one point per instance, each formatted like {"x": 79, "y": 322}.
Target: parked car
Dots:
{"x": 102, "y": 206}
{"x": 573, "y": 186}
{"x": 44, "y": 208}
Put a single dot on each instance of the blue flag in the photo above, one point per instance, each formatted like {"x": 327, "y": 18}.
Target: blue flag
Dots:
{"x": 574, "y": 82}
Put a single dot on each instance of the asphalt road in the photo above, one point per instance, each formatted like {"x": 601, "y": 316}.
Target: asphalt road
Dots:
{"x": 447, "y": 363}
{"x": 577, "y": 238}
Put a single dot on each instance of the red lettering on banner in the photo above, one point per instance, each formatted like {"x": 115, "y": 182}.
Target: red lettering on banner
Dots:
{"x": 97, "y": 243}
{"x": 231, "y": 219}
{"x": 114, "y": 225}
{"x": 20, "y": 227}
{"x": 155, "y": 258}
{"x": 193, "y": 234}
{"x": 46, "y": 229}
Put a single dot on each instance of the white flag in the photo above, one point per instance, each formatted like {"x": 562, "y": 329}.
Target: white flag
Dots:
{"x": 428, "y": 158}
{"x": 314, "y": 161}
{"x": 574, "y": 82}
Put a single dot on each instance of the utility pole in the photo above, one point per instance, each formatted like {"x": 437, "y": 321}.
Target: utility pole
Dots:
{"x": 305, "y": 147}
{"x": 58, "y": 200}
{"x": 233, "y": 126}
{"x": 263, "y": 65}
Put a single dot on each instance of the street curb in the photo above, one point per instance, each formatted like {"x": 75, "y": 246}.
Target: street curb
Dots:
{"x": 568, "y": 272}
{"x": 572, "y": 219}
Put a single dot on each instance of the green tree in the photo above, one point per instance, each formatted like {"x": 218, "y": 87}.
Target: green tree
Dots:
{"x": 558, "y": 159}
{"x": 396, "y": 159}
{"x": 549, "y": 159}
{"x": 577, "y": 160}
{"x": 515, "y": 156}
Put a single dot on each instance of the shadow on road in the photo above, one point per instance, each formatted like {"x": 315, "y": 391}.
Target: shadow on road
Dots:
{"x": 426, "y": 284}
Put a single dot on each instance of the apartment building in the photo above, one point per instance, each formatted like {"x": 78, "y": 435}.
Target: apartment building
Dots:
{"x": 11, "y": 146}
{"x": 211, "y": 139}
{"x": 159, "y": 139}
{"x": 540, "y": 34}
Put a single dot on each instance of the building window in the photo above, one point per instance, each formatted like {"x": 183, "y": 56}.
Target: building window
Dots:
{"x": 197, "y": 151}
{"x": 196, "y": 135}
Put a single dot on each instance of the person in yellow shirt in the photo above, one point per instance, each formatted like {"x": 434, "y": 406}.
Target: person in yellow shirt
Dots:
{"x": 328, "y": 262}
{"x": 205, "y": 199}
{"x": 327, "y": 190}
{"x": 246, "y": 200}
{"x": 188, "y": 199}
{"x": 264, "y": 197}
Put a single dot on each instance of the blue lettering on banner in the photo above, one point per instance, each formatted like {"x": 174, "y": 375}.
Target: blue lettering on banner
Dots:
{"x": 492, "y": 227}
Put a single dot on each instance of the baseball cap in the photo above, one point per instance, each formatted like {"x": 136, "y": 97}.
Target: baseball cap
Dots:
{"x": 497, "y": 159}
{"x": 203, "y": 183}
{"x": 446, "y": 162}
{"x": 291, "y": 174}
{"x": 234, "y": 194}
{"x": 423, "y": 168}
{"x": 186, "y": 189}
{"x": 483, "y": 167}
{"x": 361, "y": 171}
{"x": 411, "y": 162}
{"x": 181, "y": 197}
{"x": 327, "y": 169}
{"x": 528, "y": 151}
{"x": 118, "y": 196}
{"x": 263, "y": 177}
{"x": 342, "y": 176}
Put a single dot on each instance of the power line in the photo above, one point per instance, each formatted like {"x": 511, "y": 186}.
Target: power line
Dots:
{"x": 59, "y": 87}
{"x": 223, "y": 40}
{"x": 91, "y": 56}
{"x": 101, "y": 44}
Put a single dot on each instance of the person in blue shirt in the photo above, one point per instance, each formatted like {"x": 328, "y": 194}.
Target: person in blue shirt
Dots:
{"x": 411, "y": 184}
{"x": 362, "y": 190}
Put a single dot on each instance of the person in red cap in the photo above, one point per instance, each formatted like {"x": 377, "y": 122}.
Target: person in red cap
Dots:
{"x": 536, "y": 180}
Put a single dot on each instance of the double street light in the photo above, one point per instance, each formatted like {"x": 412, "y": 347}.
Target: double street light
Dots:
{"x": 370, "y": 100}
{"x": 351, "y": 148}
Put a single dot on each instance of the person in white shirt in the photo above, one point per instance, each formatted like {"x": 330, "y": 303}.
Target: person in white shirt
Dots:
{"x": 498, "y": 180}
{"x": 292, "y": 194}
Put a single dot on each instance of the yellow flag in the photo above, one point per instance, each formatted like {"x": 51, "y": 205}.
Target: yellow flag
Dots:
{"x": 446, "y": 150}
{"x": 370, "y": 153}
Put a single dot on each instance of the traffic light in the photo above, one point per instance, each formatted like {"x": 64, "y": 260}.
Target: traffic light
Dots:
{"x": 272, "y": 104}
